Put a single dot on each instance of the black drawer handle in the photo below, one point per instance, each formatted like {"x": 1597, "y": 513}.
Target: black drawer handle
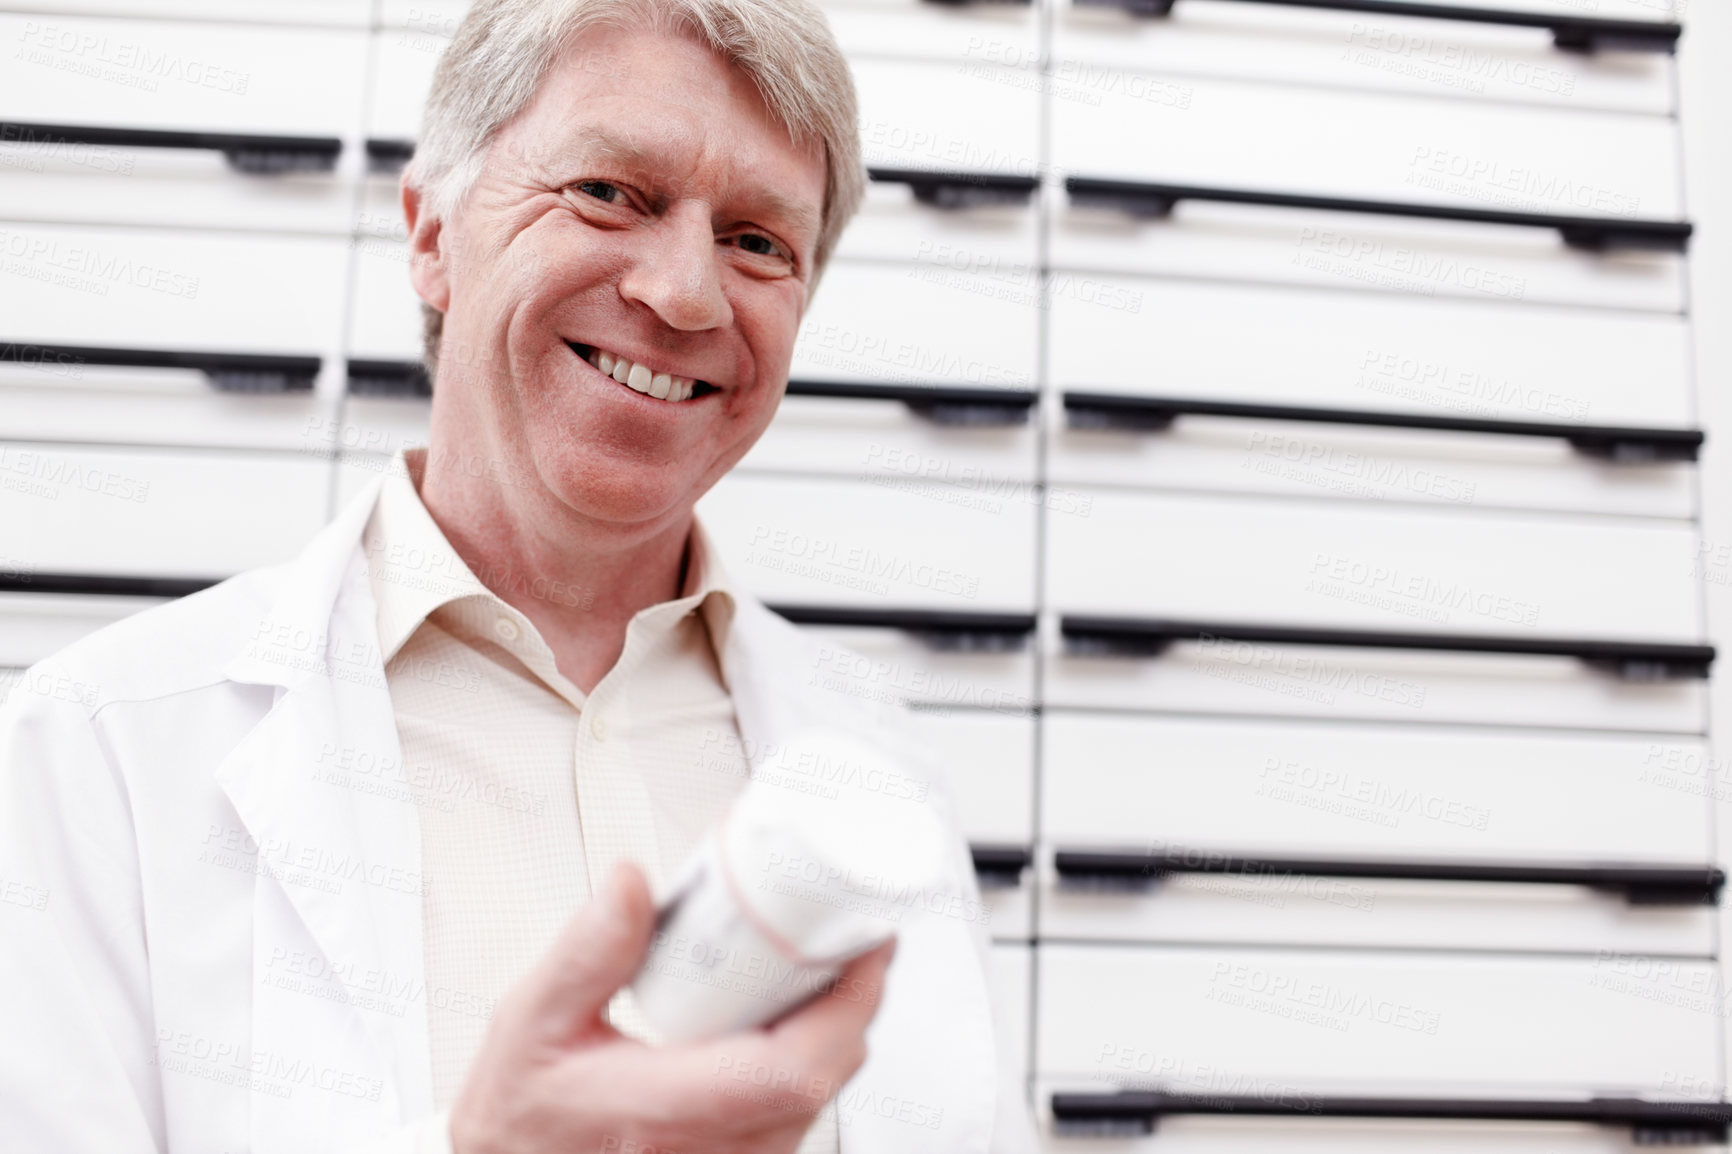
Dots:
{"x": 1638, "y": 884}
{"x": 389, "y": 379}
{"x": 1151, "y": 201}
{"x": 940, "y": 404}
{"x": 960, "y": 189}
{"x": 1148, "y": 637}
{"x": 942, "y": 630}
{"x": 256, "y": 155}
{"x": 1668, "y": 1123}
{"x": 388, "y": 155}
{"x": 1569, "y": 33}
{"x": 98, "y": 585}
{"x": 1628, "y": 445}
{"x": 229, "y": 372}
{"x": 1000, "y": 866}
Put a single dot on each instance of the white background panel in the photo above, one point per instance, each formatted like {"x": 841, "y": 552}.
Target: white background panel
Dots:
{"x": 143, "y": 512}
{"x": 1384, "y": 794}
{"x": 1391, "y": 148}
{"x": 1158, "y": 338}
{"x": 1332, "y": 1020}
{"x": 352, "y": 12}
{"x": 160, "y": 289}
{"x": 968, "y": 36}
{"x": 1355, "y": 50}
{"x": 840, "y": 542}
{"x": 182, "y": 75}
{"x": 35, "y": 625}
{"x": 988, "y": 762}
{"x": 1340, "y": 251}
{"x": 854, "y": 438}
{"x": 949, "y": 118}
{"x": 998, "y": 241}
{"x": 888, "y": 665}
{"x": 917, "y": 323}
{"x": 55, "y": 399}
{"x": 1373, "y": 567}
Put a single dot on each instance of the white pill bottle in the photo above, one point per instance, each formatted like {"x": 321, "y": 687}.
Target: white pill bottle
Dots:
{"x": 820, "y": 858}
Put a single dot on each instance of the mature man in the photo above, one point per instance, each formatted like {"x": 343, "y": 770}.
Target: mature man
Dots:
{"x": 358, "y": 852}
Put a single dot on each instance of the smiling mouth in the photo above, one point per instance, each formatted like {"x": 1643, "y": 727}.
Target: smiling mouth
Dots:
{"x": 641, "y": 378}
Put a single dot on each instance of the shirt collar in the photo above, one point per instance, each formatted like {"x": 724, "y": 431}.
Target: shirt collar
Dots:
{"x": 414, "y": 571}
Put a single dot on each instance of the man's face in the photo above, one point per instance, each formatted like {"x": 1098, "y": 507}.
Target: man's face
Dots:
{"x": 644, "y": 206}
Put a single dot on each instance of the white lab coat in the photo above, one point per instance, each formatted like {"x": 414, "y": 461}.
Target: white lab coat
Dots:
{"x": 207, "y": 947}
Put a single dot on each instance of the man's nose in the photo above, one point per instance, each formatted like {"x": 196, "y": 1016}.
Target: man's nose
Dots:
{"x": 676, "y": 275}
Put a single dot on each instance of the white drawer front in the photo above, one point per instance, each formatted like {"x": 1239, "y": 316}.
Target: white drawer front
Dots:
{"x": 180, "y": 291}
{"x": 1393, "y": 1024}
{"x": 1012, "y": 976}
{"x": 982, "y": 35}
{"x": 1486, "y": 157}
{"x": 71, "y": 509}
{"x": 988, "y": 763}
{"x": 34, "y": 626}
{"x": 1393, "y": 355}
{"x": 351, "y": 12}
{"x": 889, "y": 665}
{"x": 992, "y": 465}
{"x": 55, "y": 398}
{"x": 946, "y": 117}
{"x": 834, "y": 542}
{"x": 1243, "y": 789}
{"x": 999, "y": 243}
{"x": 917, "y": 324}
{"x": 1231, "y": 560}
{"x": 183, "y": 76}
{"x": 385, "y": 319}
{"x": 1356, "y": 50}
{"x": 1394, "y": 148}
{"x": 403, "y": 63}
{"x": 170, "y": 76}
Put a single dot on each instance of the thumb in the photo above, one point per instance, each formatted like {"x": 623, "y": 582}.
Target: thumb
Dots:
{"x": 599, "y": 951}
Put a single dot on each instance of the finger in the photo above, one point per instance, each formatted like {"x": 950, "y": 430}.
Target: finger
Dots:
{"x": 827, "y": 1036}
{"x": 599, "y": 951}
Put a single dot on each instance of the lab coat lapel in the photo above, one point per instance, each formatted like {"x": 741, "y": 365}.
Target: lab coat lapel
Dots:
{"x": 345, "y": 863}
{"x": 930, "y": 1085}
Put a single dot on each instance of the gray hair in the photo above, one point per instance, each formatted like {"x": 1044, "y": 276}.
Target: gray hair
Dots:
{"x": 504, "y": 48}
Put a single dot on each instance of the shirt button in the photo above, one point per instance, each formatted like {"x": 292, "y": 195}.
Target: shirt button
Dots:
{"x": 598, "y": 727}
{"x": 506, "y": 628}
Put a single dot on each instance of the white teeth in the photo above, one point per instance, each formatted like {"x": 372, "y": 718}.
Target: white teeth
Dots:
{"x": 643, "y": 379}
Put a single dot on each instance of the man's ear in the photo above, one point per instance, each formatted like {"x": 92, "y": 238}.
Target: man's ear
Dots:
{"x": 429, "y": 265}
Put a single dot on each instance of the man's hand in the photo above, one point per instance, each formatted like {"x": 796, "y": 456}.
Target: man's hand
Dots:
{"x": 553, "y": 1076}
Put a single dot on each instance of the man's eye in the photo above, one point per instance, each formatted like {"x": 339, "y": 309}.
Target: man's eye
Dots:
{"x": 601, "y": 190}
{"x": 761, "y": 245}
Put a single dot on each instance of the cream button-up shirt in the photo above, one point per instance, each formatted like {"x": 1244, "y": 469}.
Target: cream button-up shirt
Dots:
{"x": 529, "y": 792}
